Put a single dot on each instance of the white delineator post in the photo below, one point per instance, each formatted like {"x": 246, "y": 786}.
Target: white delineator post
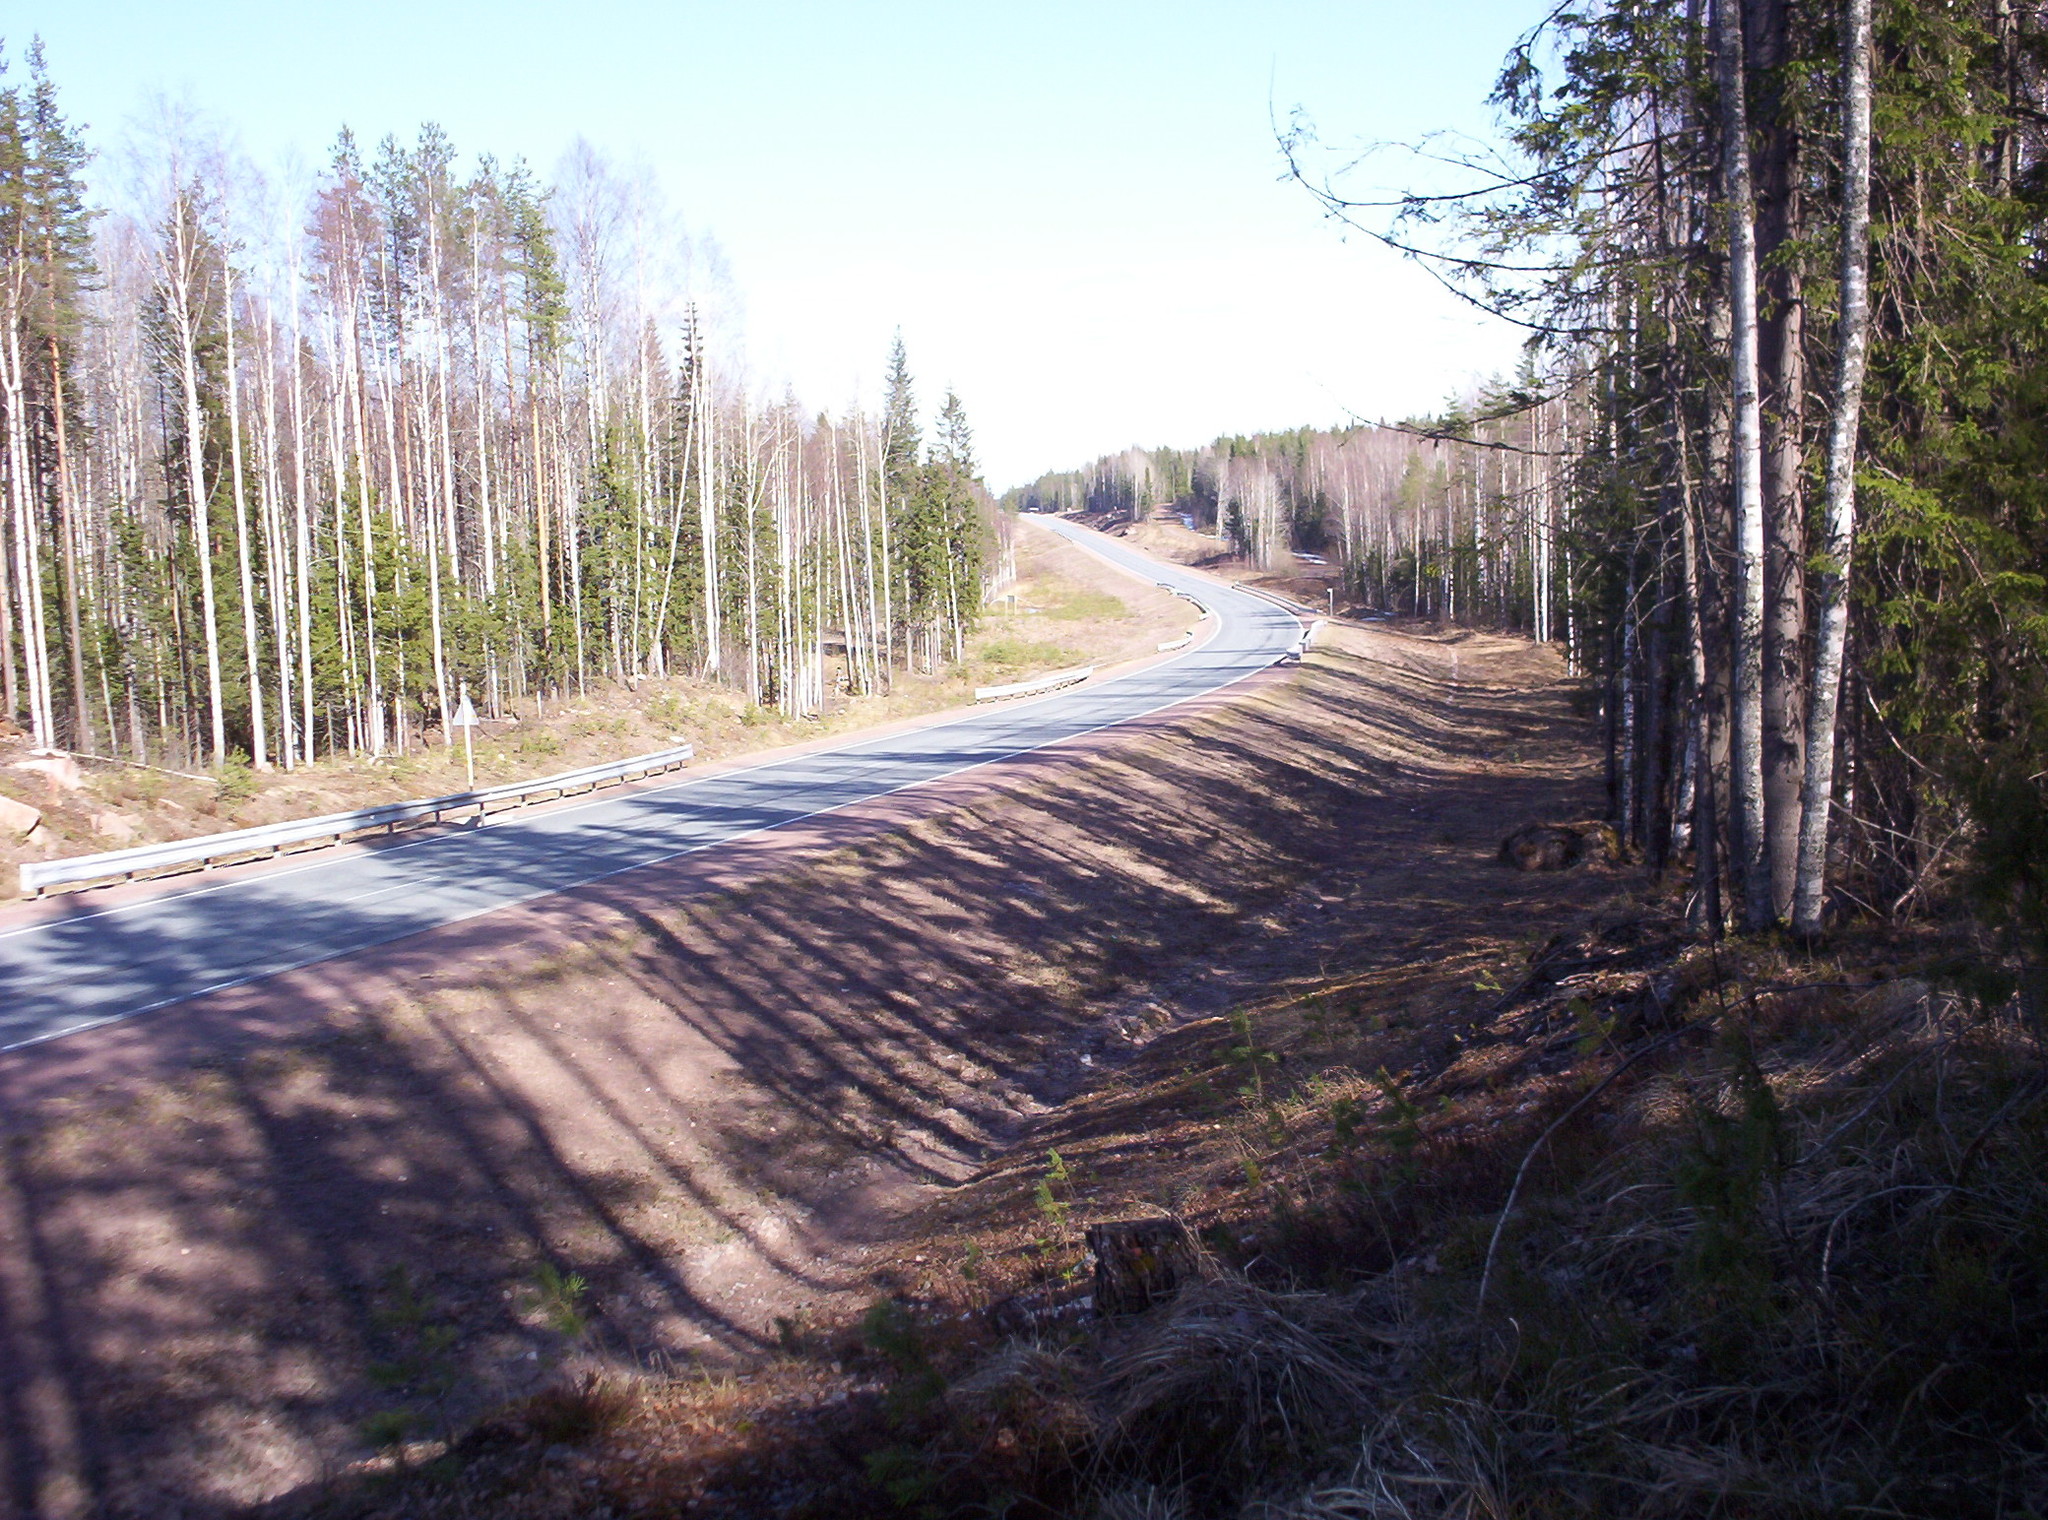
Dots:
{"x": 465, "y": 719}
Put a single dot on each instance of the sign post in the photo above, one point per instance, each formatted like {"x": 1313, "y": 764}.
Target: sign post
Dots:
{"x": 465, "y": 719}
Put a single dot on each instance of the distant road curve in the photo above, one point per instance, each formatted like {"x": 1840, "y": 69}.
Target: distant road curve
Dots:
{"x": 77, "y": 966}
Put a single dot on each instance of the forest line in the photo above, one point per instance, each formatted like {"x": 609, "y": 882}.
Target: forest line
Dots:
{"x": 1769, "y": 470}
{"x": 1423, "y": 522}
{"x": 286, "y": 473}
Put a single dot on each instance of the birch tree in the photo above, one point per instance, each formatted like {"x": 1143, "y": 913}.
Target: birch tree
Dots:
{"x": 1839, "y": 541}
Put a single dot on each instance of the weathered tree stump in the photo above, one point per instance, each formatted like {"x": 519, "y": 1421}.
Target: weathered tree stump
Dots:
{"x": 1600, "y": 841}
{"x": 1559, "y": 846}
{"x": 1138, "y": 1263}
{"x": 1542, "y": 847}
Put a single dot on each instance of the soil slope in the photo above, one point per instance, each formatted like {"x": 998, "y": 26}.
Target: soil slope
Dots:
{"x": 718, "y": 1101}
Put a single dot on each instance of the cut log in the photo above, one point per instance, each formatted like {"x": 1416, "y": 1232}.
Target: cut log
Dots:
{"x": 1138, "y": 1263}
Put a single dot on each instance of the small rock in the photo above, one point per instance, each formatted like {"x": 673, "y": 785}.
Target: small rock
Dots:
{"x": 115, "y": 826}
{"x": 18, "y": 817}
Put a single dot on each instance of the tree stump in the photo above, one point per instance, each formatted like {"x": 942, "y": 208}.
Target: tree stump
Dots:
{"x": 1559, "y": 846}
{"x": 1138, "y": 1263}
{"x": 1542, "y": 847}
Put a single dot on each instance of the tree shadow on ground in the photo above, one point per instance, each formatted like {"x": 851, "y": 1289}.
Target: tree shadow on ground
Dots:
{"x": 707, "y": 1099}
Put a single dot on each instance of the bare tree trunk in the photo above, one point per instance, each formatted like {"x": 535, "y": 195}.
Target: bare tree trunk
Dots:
{"x": 10, "y": 680}
{"x": 35, "y": 642}
{"x": 181, "y": 290}
{"x": 258, "y": 738}
{"x": 657, "y": 638}
{"x": 67, "y": 528}
{"x": 1746, "y": 474}
{"x": 703, "y": 406}
{"x": 1852, "y": 348}
{"x": 276, "y": 567}
{"x": 437, "y": 417}
{"x": 302, "y": 537}
{"x": 1782, "y": 362}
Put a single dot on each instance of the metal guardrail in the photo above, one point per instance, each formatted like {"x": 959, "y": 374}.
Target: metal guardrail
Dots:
{"x": 38, "y": 876}
{"x": 1052, "y": 682}
{"x": 1187, "y": 596}
{"x": 1180, "y": 643}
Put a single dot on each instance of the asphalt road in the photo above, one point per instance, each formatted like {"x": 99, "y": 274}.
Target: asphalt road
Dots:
{"x": 93, "y": 966}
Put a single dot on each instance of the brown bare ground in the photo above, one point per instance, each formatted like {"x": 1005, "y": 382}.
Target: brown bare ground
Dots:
{"x": 720, "y": 1094}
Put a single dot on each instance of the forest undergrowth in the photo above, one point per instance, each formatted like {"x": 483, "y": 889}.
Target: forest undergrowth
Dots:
{"x": 1617, "y": 1222}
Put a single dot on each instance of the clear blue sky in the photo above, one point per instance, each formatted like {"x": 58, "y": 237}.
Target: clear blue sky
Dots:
{"x": 1070, "y": 210}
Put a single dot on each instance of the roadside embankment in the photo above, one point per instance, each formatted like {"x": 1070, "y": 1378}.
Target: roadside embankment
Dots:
{"x": 716, "y": 1103}
{"x": 1501, "y": 1192}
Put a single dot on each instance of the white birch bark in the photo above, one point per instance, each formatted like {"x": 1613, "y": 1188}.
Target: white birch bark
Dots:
{"x": 1839, "y": 541}
{"x": 181, "y": 287}
{"x": 1746, "y": 471}
{"x": 302, "y": 538}
{"x": 702, "y": 406}
{"x": 258, "y": 738}
{"x": 27, "y": 554}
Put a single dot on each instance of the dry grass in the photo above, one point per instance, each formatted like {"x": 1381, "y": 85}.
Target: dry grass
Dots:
{"x": 1761, "y": 1235}
{"x": 1787, "y": 1262}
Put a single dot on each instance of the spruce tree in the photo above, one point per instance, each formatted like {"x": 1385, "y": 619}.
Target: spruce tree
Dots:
{"x": 901, "y": 439}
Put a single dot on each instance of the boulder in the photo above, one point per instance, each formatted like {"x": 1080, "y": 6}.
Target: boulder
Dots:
{"x": 18, "y": 818}
{"x": 1542, "y": 847}
{"x": 1559, "y": 846}
{"x": 61, "y": 771}
{"x": 1599, "y": 840}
